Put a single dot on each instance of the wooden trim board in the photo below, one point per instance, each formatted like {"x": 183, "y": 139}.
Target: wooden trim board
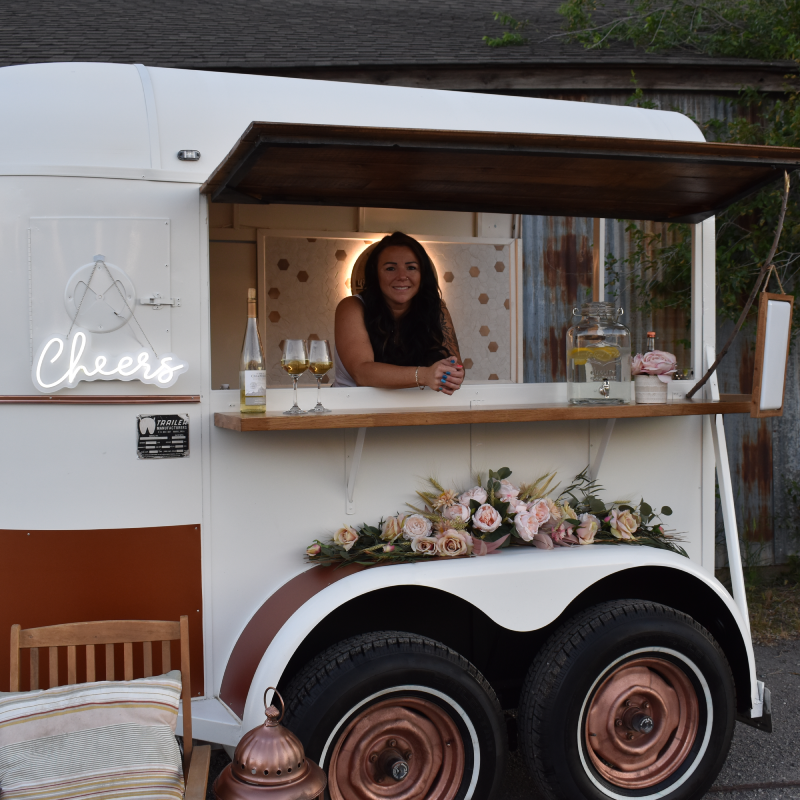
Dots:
{"x": 545, "y": 412}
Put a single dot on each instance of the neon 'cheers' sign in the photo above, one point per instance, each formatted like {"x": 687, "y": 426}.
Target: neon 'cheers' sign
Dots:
{"x": 68, "y": 371}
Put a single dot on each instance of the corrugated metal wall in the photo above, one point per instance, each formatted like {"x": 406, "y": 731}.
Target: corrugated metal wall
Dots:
{"x": 764, "y": 454}
{"x": 557, "y": 277}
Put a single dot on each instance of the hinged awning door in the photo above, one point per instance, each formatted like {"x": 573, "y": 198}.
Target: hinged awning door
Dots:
{"x": 493, "y": 172}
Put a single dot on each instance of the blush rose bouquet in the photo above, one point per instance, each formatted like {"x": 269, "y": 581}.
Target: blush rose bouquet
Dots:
{"x": 493, "y": 515}
{"x": 656, "y": 362}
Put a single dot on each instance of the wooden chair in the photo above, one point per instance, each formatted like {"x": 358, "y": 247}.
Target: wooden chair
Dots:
{"x": 125, "y": 632}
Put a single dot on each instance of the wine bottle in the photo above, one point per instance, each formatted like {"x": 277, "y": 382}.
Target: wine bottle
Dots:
{"x": 252, "y": 367}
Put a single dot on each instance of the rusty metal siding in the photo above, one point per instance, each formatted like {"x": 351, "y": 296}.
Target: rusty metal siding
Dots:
{"x": 670, "y": 325}
{"x": 786, "y": 466}
{"x": 557, "y": 272}
{"x": 557, "y": 276}
{"x": 750, "y": 451}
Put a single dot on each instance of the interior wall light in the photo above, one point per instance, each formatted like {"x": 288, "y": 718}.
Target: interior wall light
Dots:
{"x": 189, "y": 155}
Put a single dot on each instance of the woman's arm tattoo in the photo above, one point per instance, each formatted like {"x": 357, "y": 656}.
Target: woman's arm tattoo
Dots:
{"x": 450, "y": 339}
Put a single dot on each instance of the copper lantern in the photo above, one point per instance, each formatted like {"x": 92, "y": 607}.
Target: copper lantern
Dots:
{"x": 270, "y": 763}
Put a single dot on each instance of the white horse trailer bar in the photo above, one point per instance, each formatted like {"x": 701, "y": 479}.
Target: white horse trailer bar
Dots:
{"x": 114, "y": 261}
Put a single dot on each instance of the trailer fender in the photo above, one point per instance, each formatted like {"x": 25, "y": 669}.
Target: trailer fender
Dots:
{"x": 520, "y": 589}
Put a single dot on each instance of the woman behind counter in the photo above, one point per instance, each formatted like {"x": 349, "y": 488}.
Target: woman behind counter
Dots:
{"x": 397, "y": 333}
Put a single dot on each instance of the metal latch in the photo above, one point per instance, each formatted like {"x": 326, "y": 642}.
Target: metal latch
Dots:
{"x": 156, "y": 300}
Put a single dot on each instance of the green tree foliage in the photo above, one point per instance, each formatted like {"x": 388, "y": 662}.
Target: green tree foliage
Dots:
{"x": 512, "y": 36}
{"x": 767, "y": 30}
{"x": 659, "y": 264}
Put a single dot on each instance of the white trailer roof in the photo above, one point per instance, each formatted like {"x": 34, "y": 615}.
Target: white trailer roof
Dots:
{"x": 114, "y": 116}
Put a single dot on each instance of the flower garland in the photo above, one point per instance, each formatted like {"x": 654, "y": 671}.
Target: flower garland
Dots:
{"x": 484, "y": 519}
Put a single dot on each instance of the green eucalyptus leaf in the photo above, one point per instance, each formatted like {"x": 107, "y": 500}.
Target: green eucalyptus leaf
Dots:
{"x": 597, "y": 506}
{"x": 666, "y": 511}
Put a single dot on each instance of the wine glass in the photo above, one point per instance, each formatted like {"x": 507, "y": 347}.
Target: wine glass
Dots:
{"x": 295, "y": 361}
{"x": 319, "y": 357}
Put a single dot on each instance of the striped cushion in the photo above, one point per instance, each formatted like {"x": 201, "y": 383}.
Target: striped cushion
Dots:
{"x": 105, "y": 740}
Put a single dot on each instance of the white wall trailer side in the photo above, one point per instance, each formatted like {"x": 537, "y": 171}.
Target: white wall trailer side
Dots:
{"x": 628, "y": 666}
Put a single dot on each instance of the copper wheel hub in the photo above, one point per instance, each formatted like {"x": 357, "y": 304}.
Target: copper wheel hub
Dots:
{"x": 642, "y": 723}
{"x": 406, "y": 748}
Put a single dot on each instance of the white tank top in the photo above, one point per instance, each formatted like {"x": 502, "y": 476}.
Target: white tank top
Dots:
{"x": 343, "y": 377}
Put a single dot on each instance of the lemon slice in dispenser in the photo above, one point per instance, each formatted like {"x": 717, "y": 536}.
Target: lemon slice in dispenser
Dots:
{"x": 604, "y": 354}
{"x": 579, "y": 355}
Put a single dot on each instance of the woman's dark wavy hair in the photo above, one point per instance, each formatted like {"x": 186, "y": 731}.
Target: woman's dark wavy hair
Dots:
{"x": 417, "y": 338}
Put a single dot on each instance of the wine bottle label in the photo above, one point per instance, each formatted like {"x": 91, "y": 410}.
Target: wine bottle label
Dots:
{"x": 255, "y": 385}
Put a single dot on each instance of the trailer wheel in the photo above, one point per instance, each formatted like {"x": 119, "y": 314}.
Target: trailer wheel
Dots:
{"x": 629, "y": 699}
{"x": 395, "y": 715}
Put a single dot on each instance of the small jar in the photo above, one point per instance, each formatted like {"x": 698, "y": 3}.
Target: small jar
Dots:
{"x": 599, "y": 357}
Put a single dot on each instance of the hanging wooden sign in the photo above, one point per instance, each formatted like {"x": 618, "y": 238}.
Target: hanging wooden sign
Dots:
{"x": 772, "y": 354}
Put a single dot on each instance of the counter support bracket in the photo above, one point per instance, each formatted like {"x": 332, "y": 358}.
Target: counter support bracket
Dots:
{"x": 353, "y": 463}
{"x": 726, "y": 496}
{"x": 594, "y": 470}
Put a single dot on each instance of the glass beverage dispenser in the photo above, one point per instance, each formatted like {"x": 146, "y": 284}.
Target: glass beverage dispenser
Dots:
{"x": 599, "y": 357}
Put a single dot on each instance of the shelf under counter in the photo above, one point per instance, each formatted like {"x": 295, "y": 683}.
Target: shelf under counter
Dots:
{"x": 543, "y": 412}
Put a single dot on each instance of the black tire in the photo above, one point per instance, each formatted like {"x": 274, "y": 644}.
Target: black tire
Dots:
{"x": 566, "y": 680}
{"x": 339, "y": 685}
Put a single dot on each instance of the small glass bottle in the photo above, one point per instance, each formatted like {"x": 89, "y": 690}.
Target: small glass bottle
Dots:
{"x": 252, "y": 367}
{"x": 651, "y": 341}
{"x": 598, "y": 357}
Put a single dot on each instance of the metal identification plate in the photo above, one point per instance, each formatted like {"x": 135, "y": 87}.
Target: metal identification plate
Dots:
{"x": 162, "y": 435}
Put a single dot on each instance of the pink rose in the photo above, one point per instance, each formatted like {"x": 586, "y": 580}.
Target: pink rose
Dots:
{"x": 477, "y": 493}
{"x": 516, "y": 506}
{"x": 392, "y": 528}
{"x": 527, "y": 526}
{"x": 454, "y": 543}
{"x": 563, "y": 535}
{"x": 658, "y": 362}
{"x": 507, "y": 491}
{"x": 314, "y": 550}
{"x": 486, "y": 519}
{"x": 426, "y": 545}
{"x": 540, "y": 510}
{"x": 623, "y": 524}
{"x": 416, "y": 526}
{"x": 346, "y": 537}
{"x": 588, "y": 528}
{"x": 457, "y": 511}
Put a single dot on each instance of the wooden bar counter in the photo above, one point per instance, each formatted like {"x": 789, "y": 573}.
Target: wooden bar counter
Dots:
{"x": 545, "y": 412}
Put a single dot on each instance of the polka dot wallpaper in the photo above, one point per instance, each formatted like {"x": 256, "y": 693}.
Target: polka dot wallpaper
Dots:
{"x": 307, "y": 277}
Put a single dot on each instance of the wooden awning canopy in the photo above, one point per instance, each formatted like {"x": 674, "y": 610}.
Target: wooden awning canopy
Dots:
{"x": 510, "y": 173}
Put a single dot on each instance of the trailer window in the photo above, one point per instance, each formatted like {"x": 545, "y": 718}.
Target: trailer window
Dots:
{"x": 645, "y": 270}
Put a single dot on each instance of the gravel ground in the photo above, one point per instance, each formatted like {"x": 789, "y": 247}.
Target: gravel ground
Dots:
{"x": 755, "y": 757}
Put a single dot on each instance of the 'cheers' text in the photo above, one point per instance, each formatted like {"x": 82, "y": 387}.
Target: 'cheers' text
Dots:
{"x": 129, "y": 367}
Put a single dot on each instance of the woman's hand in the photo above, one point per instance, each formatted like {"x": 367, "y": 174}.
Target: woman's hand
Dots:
{"x": 444, "y": 376}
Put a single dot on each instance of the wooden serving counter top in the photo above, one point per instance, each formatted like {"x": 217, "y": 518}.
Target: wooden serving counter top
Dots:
{"x": 545, "y": 412}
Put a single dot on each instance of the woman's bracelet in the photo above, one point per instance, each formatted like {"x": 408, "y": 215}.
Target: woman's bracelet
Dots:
{"x": 416, "y": 378}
